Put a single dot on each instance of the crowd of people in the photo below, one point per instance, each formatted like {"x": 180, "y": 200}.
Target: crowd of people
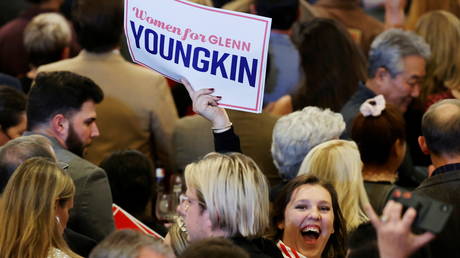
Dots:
{"x": 357, "y": 113}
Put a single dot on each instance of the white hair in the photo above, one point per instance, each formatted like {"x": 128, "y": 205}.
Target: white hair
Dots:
{"x": 294, "y": 135}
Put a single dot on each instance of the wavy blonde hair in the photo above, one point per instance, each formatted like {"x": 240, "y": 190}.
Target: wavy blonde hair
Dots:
{"x": 234, "y": 191}
{"x": 421, "y": 7}
{"x": 338, "y": 162}
{"x": 28, "y": 210}
{"x": 441, "y": 30}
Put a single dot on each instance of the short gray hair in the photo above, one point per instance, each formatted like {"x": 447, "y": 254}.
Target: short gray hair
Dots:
{"x": 391, "y": 47}
{"x": 294, "y": 135}
{"x": 45, "y": 37}
{"x": 128, "y": 243}
{"x": 18, "y": 150}
{"x": 441, "y": 128}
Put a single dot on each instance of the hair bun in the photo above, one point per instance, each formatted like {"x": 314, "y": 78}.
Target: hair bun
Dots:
{"x": 373, "y": 106}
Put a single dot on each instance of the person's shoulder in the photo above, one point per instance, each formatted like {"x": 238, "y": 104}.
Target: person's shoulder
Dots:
{"x": 76, "y": 164}
{"x": 57, "y": 253}
{"x": 442, "y": 182}
{"x": 139, "y": 70}
{"x": 61, "y": 65}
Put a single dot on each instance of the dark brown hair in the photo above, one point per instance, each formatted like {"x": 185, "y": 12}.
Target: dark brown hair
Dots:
{"x": 375, "y": 136}
{"x": 335, "y": 246}
{"x": 332, "y": 63}
{"x": 98, "y": 24}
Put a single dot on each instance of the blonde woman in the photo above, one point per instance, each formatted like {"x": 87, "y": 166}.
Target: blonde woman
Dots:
{"x": 441, "y": 30}
{"x": 35, "y": 210}
{"x": 421, "y": 7}
{"x": 395, "y": 16}
{"x": 227, "y": 196}
{"x": 338, "y": 162}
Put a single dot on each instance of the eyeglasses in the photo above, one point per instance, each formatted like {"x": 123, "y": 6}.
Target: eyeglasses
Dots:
{"x": 186, "y": 202}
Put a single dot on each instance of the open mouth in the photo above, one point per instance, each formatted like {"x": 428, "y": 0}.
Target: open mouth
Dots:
{"x": 311, "y": 232}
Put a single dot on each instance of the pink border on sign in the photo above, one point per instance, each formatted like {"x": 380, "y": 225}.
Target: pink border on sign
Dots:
{"x": 222, "y": 12}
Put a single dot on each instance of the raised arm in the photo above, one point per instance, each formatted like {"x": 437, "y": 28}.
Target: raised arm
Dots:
{"x": 206, "y": 105}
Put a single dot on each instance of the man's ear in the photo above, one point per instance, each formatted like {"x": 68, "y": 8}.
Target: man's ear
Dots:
{"x": 60, "y": 125}
{"x": 381, "y": 73}
{"x": 280, "y": 225}
{"x": 65, "y": 53}
{"x": 423, "y": 146}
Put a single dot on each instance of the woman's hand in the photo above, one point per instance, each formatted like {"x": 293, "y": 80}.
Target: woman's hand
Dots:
{"x": 394, "y": 235}
{"x": 206, "y": 105}
{"x": 394, "y": 14}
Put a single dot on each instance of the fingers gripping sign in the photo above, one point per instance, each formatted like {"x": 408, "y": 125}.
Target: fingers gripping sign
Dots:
{"x": 207, "y": 106}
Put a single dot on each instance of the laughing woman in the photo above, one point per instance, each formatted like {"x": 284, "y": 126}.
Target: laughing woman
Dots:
{"x": 308, "y": 221}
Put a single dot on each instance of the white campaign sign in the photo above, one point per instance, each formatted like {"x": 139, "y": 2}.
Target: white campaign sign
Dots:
{"x": 211, "y": 48}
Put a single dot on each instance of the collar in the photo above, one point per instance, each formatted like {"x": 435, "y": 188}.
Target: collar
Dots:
{"x": 338, "y": 4}
{"x": 288, "y": 252}
{"x": 54, "y": 144}
{"x": 54, "y": 141}
{"x": 446, "y": 168}
{"x": 113, "y": 55}
{"x": 363, "y": 88}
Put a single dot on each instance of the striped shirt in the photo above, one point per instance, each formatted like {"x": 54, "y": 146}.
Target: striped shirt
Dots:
{"x": 288, "y": 252}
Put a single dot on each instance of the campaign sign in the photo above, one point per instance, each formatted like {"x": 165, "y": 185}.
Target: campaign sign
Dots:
{"x": 124, "y": 220}
{"x": 210, "y": 47}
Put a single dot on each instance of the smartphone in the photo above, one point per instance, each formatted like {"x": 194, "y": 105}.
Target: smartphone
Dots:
{"x": 432, "y": 214}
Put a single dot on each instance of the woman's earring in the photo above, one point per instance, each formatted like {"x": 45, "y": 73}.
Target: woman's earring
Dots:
{"x": 58, "y": 220}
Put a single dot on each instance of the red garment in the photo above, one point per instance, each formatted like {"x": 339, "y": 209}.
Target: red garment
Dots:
{"x": 433, "y": 98}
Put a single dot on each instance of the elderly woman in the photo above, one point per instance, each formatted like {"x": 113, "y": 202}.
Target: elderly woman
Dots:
{"x": 294, "y": 135}
{"x": 307, "y": 220}
{"x": 35, "y": 210}
{"x": 339, "y": 163}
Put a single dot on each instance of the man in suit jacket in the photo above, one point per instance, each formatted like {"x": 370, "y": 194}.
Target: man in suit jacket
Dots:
{"x": 61, "y": 106}
{"x": 138, "y": 111}
{"x": 441, "y": 140}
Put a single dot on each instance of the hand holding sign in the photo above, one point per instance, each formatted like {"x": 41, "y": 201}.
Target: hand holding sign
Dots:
{"x": 206, "y": 105}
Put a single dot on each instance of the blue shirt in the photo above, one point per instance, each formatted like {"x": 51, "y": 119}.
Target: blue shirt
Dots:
{"x": 285, "y": 71}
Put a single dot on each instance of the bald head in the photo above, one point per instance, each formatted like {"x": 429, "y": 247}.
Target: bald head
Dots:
{"x": 18, "y": 150}
{"x": 441, "y": 128}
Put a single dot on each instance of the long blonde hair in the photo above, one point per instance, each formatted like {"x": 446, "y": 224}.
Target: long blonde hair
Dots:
{"x": 420, "y": 7}
{"x": 441, "y": 30}
{"x": 28, "y": 223}
{"x": 338, "y": 162}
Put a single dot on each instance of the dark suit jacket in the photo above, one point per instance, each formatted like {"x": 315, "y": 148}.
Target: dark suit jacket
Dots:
{"x": 446, "y": 188}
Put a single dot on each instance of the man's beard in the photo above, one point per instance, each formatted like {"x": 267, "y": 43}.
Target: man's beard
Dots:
{"x": 74, "y": 143}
